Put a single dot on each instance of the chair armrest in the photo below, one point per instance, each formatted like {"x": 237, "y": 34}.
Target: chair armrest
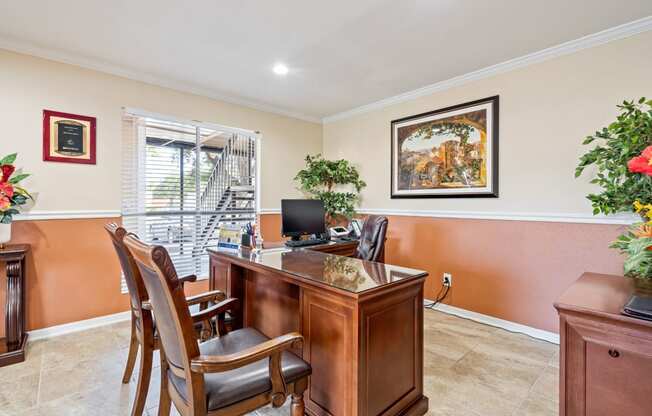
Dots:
{"x": 218, "y": 363}
{"x": 212, "y": 296}
{"x": 190, "y": 278}
{"x": 206, "y": 314}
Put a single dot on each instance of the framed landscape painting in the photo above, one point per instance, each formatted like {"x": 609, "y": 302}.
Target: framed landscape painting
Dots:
{"x": 452, "y": 152}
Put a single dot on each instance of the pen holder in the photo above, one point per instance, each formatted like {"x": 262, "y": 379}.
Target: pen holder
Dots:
{"x": 245, "y": 241}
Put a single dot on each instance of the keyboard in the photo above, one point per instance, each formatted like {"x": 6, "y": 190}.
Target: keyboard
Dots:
{"x": 306, "y": 243}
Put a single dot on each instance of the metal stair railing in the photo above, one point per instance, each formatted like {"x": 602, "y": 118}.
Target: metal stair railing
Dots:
{"x": 231, "y": 177}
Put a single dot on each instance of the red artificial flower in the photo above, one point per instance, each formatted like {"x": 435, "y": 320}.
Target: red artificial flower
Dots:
{"x": 7, "y": 170}
{"x": 642, "y": 163}
{"x": 4, "y": 203}
{"x": 6, "y": 190}
{"x": 639, "y": 164}
{"x": 647, "y": 153}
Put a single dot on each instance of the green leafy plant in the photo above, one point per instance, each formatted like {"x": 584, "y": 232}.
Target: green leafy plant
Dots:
{"x": 322, "y": 178}
{"x": 636, "y": 245}
{"x": 617, "y": 144}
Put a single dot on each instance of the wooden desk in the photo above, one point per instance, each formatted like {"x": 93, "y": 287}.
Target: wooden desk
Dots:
{"x": 362, "y": 324}
{"x": 12, "y": 347}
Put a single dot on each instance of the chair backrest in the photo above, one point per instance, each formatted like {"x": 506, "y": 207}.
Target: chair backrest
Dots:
{"x": 372, "y": 239}
{"x": 166, "y": 295}
{"x": 137, "y": 291}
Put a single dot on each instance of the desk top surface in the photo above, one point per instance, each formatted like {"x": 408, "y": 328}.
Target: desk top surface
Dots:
{"x": 600, "y": 295}
{"x": 345, "y": 273}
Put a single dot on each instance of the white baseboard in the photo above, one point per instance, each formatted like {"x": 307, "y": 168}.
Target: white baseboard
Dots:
{"x": 71, "y": 327}
{"x": 497, "y": 322}
{"x": 55, "y": 331}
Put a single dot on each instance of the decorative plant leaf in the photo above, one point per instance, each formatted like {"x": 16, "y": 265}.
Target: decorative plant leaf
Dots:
{"x": 17, "y": 178}
{"x": 9, "y": 159}
{"x": 23, "y": 191}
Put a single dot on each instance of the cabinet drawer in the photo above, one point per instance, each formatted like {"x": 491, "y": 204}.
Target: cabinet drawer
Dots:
{"x": 607, "y": 372}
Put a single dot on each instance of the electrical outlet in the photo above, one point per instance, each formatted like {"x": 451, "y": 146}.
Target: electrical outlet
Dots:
{"x": 447, "y": 279}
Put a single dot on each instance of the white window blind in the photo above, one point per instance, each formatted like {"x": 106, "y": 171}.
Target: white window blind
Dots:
{"x": 183, "y": 181}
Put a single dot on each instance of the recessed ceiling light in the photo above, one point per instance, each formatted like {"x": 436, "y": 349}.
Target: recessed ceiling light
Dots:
{"x": 280, "y": 69}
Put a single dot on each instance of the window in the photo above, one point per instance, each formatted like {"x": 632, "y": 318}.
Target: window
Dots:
{"x": 183, "y": 181}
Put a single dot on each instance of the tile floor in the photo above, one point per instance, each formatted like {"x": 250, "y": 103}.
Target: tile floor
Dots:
{"x": 470, "y": 370}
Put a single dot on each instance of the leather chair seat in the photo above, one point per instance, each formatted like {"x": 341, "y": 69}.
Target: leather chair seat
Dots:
{"x": 229, "y": 387}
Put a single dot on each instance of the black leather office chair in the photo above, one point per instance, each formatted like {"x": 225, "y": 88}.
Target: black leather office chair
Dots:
{"x": 372, "y": 239}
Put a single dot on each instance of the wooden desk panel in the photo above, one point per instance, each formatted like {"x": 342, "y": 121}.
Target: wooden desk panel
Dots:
{"x": 366, "y": 349}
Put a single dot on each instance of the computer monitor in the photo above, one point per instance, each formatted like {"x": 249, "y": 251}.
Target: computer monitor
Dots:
{"x": 302, "y": 216}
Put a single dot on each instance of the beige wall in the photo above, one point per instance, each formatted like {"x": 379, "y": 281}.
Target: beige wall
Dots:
{"x": 545, "y": 112}
{"x": 28, "y": 85}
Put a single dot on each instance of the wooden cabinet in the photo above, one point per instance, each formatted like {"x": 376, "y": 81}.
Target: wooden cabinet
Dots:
{"x": 605, "y": 357}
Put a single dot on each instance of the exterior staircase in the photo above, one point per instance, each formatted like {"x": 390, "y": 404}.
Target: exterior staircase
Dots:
{"x": 229, "y": 196}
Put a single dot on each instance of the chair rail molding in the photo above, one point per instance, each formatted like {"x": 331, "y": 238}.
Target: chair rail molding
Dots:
{"x": 66, "y": 215}
{"x": 624, "y": 219}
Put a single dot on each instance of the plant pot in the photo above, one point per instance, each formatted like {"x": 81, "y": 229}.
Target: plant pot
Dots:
{"x": 5, "y": 234}
{"x": 643, "y": 287}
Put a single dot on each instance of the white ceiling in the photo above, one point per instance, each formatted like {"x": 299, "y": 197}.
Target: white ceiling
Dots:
{"x": 341, "y": 53}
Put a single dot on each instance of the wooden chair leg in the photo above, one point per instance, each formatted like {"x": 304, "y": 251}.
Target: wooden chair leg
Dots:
{"x": 133, "y": 352}
{"x": 298, "y": 407}
{"x": 144, "y": 376}
{"x": 164, "y": 403}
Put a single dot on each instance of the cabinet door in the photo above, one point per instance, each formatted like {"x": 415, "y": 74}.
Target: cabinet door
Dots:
{"x": 608, "y": 371}
{"x": 618, "y": 380}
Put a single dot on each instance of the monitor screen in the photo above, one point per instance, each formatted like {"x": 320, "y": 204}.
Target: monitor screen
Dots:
{"x": 302, "y": 216}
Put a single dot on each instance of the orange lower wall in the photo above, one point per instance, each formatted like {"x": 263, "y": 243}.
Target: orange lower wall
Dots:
{"x": 72, "y": 272}
{"x": 512, "y": 270}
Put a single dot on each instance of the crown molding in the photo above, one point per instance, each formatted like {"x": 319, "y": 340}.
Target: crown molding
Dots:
{"x": 60, "y": 56}
{"x": 615, "y": 33}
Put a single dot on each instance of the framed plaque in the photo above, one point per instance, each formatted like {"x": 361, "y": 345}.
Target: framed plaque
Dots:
{"x": 68, "y": 138}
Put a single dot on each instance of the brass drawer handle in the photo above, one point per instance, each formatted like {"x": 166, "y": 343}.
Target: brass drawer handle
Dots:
{"x": 614, "y": 353}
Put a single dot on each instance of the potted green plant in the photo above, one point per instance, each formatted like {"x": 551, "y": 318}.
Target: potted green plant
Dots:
{"x": 12, "y": 195}
{"x": 623, "y": 162}
{"x": 336, "y": 182}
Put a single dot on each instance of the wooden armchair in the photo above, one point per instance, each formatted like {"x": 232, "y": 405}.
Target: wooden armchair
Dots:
{"x": 143, "y": 329}
{"x": 233, "y": 374}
